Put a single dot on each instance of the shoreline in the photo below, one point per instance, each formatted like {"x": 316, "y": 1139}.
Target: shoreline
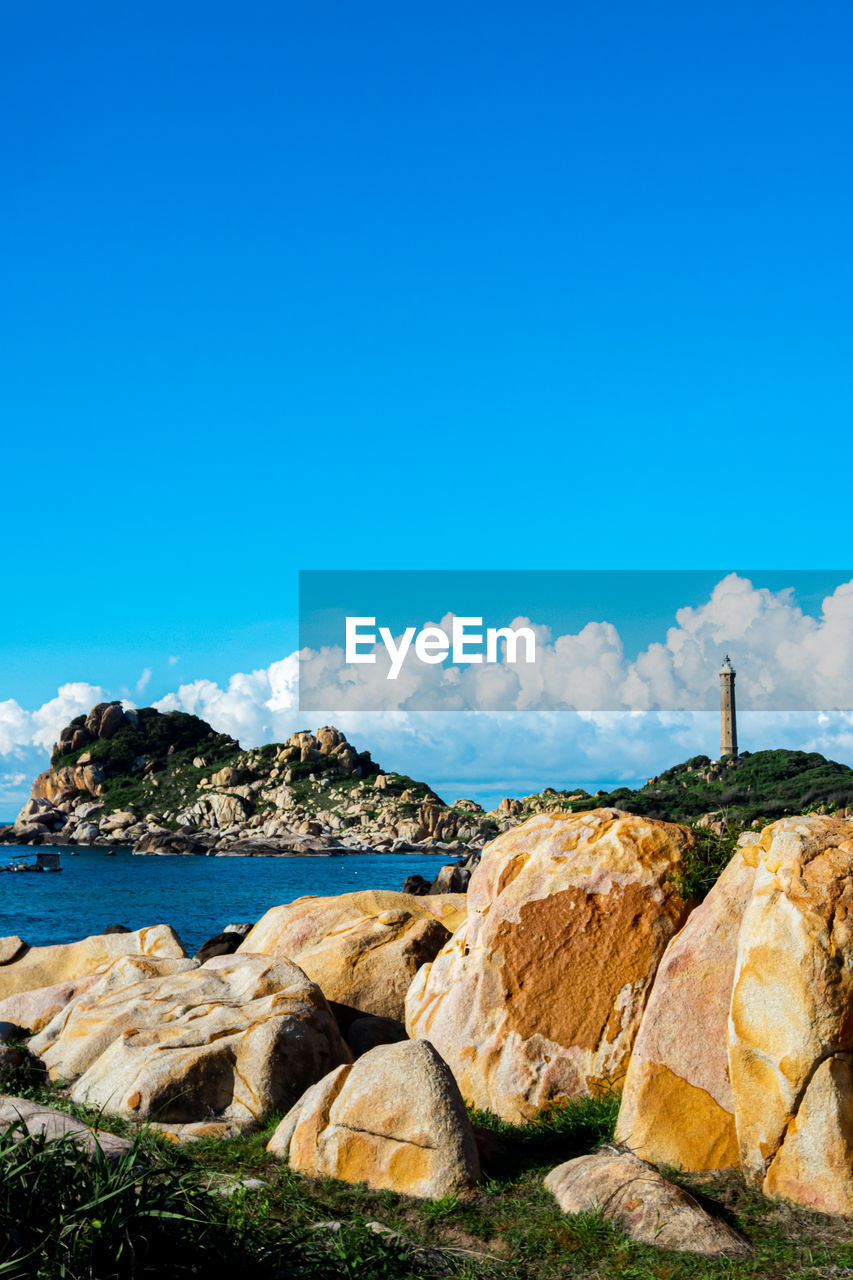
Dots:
{"x": 431, "y": 851}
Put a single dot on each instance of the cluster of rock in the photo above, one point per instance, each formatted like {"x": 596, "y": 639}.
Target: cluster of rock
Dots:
{"x": 745, "y": 1057}
{"x": 313, "y": 794}
{"x": 573, "y": 965}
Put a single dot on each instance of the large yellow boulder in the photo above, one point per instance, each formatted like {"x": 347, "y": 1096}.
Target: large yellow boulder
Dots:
{"x": 362, "y": 949}
{"x": 394, "y": 1120}
{"x": 677, "y": 1105}
{"x": 232, "y": 1040}
{"x": 68, "y": 961}
{"x": 540, "y": 993}
{"x": 791, "y": 1020}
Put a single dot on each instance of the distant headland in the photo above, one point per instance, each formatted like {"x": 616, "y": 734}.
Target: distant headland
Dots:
{"x": 168, "y": 783}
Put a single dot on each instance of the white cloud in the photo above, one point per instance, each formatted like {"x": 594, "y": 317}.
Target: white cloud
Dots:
{"x": 71, "y": 700}
{"x": 794, "y": 671}
{"x": 786, "y": 661}
{"x": 143, "y": 680}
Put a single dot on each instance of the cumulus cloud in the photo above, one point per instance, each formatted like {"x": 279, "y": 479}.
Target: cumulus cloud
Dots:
{"x": 786, "y": 659}
{"x": 584, "y": 712}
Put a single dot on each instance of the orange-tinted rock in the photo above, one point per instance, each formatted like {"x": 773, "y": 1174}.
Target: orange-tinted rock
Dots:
{"x": 792, "y": 1010}
{"x": 56, "y": 785}
{"x": 814, "y": 1166}
{"x": 540, "y": 994}
{"x": 11, "y": 948}
{"x": 362, "y": 949}
{"x": 677, "y": 1106}
{"x": 66, "y": 962}
{"x": 395, "y": 1120}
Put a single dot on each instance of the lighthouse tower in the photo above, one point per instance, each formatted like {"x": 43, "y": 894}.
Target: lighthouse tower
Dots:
{"x": 728, "y": 715}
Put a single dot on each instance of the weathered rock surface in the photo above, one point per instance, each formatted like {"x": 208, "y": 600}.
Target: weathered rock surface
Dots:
{"x": 745, "y": 1054}
{"x": 194, "y": 1132}
{"x": 36, "y": 1118}
{"x": 677, "y": 1105}
{"x": 791, "y": 1020}
{"x": 68, "y": 962}
{"x": 394, "y": 1120}
{"x": 11, "y": 948}
{"x": 650, "y": 1209}
{"x": 230, "y": 1040}
{"x": 540, "y": 994}
{"x": 66, "y": 783}
{"x": 362, "y": 949}
{"x": 365, "y": 1031}
{"x": 33, "y": 1009}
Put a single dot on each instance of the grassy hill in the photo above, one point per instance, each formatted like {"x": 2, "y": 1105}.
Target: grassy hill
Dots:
{"x": 758, "y": 786}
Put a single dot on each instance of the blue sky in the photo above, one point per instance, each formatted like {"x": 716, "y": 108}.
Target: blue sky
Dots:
{"x": 314, "y": 285}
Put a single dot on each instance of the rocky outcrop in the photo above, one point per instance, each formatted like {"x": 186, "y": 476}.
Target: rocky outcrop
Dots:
{"x": 66, "y": 783}
{"x": 362, "y": 949}
{"x": 745, "y": 1057}
{"x": 677, "y": 1105}
{"x": 230, "y": 1040}
{"x": 186, "y": 789}
{"x": 791, "y": 1018}
{"x": 359, "y": 1125}
{"x": 540, "y": 993}
{"x": 221, "y": 944}
{"x": 649, "y": 1209}
{"x": 64, "y": 963}
{"x": 454, "y": 877}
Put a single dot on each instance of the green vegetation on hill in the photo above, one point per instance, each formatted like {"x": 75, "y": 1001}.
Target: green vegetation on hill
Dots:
{"x": 161, "y": 763}
{"x": 764, "y": 785}
{"x": 149, "y": 740}
{"x": 148, "y": 762}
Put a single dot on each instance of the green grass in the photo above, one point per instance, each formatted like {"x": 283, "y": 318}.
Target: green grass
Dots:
{"x": 757, "y": 787}
{"x": 159, "y": 1212}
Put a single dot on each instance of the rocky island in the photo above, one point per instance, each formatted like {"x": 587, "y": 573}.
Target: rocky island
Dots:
{"x": 168, "y": 783}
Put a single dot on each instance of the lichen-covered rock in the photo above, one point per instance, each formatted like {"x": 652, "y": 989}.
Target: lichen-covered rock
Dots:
{"x": 362, "y": 949}
{"x": 230, "y": 1040}
{"x": 649, "y": 1209}
{"x": 67, "y": 962}
{"x": 791, "y": 1020}
{"x": 394, "y": 1120}
{"x": 540, "y": 994}
{"x": 677, "y": 1106}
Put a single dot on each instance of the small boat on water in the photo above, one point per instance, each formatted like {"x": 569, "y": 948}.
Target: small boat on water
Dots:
{"x": 24, "y": 862}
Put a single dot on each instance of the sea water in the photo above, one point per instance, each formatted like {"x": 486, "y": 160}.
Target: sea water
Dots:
{"x": 197, "y": 896}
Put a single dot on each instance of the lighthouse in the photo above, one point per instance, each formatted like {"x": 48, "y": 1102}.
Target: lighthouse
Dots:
{"x": 728, "y": 715}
